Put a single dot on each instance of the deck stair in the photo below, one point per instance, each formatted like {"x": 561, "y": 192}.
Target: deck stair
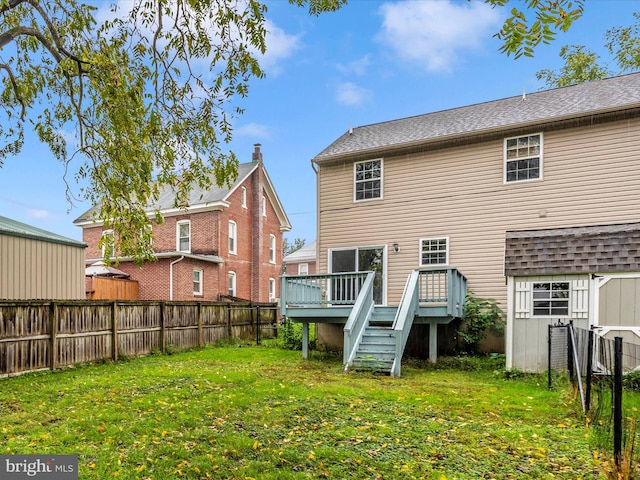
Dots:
{"x": 376, "y": 350}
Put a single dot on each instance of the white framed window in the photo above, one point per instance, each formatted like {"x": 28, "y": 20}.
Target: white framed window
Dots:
{"x": 303, "y": 269}
{"x": 264, "y": 206}
{"x": 272, "y": 289}
{"x": 272, "y": 249}
{"x": 233, "y": 237}
{"x": 434, "y": 251}
{"x": 197, "y": 281}
{"x": 523, "y": 158}
{"x": 551, "y": 299}
{"x": 367, "y": 180}
{"x": 183, "y": 235}
{"x": 107, "y": 243}
{"x": 243, "y": 197}
{"x": 232, "y": 284}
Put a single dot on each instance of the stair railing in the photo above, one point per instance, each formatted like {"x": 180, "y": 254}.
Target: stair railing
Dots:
{"x": 358, "y": 320}
{"x": 404, "y": 319}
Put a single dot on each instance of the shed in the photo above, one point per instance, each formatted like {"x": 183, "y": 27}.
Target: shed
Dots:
{"x": 37, "y": 264}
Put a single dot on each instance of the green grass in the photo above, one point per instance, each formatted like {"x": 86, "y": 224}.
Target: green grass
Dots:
{"x": 265, "y": 413}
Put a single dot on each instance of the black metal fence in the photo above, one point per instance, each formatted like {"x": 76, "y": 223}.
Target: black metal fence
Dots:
{"x": 606, "y": 374}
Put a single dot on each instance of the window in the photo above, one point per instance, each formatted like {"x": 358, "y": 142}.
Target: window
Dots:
{"x": 107, "y": 242}
{"x": 233, "y": 232}
{"x": 434, "y": 251}
{"x": 523, "y": 158}
{"x": 272, "y": 249}
{"x": 303, "y": 269}
{"x": 232, "y": 284}
{"x": 197, "y": 282}
{"x": 264, "y": 206}
{"x": 243, "y": 197}
{"x": 184, "y": 236}
{"x": 272, "y": 289}
{"x": 551, "y": 299}
{"x": 368, "y": 180}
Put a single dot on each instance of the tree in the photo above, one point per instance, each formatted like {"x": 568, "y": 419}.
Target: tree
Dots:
{"x": 288, "y": 247}
{"x": 582, "y": 65}
{"x": 148, "y": 95}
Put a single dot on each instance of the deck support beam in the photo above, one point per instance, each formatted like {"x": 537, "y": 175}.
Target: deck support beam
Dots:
{"x": 433, "y": 342}
{"x": 305, "y": 340}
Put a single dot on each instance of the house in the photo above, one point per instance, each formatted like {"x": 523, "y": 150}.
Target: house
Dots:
{"x": 36, "y": 264}
{"x": 226, "y": 245}
{"x": 302, "y": 261}
{"x": 534, "y": 200}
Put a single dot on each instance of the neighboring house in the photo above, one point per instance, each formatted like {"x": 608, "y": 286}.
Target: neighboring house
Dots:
{"x": 302, "y": 261}
{"x": 36, "y": 264}
{"x": 535, "y": 199}
{"x": 226, "y": 244}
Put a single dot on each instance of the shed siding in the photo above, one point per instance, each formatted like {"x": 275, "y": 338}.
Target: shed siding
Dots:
{"x": 620, "y": 303}
{"x": 459, "y": 193}
{"x": 35, "y": 269}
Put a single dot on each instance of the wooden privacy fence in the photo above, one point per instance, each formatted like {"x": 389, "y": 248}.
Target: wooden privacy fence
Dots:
{"x": 37, "y": 335}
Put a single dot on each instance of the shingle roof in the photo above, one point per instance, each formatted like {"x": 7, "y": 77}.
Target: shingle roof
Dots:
{"x": 581, "y": 100}
{"x": 306, "y": 253}
{"x": 18, "y": 229}
{"x": 594, "y": 249}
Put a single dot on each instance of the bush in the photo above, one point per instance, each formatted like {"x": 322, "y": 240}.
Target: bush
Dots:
{"x": 481, "y": 316}
{"x": 290, "y": 335}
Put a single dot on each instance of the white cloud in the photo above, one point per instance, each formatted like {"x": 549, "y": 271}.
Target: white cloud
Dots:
{"x": 350, "y": 94}
{"x": 432, "y": 34}
{"x": 358, "y": 67}
{"x": 39, "y": 214}
{"x": 280, "y": 46}
{"x": 253, "y": 130}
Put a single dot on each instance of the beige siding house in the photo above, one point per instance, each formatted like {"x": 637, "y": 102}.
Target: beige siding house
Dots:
{"x": 36, "y": 264}
{"x": 445, "y": 189}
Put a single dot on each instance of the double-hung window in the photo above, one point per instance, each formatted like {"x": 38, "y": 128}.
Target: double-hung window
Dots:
{"x": 551, "y": 299}
{"x": 272, "y": 249}
{"x": 232, "y": 284}
{"x": 197, "y": 281}
{"x": 272, "y": 289}
{"x": 108, "y": 243}
{"x": 523, "y": 158}
{"x": 243, "y": 197}
{"x": 368, "y": 180}
{"x": 233, "y": 233}
{"x": 434, "y": 251}
{"x": 184, "y": 236}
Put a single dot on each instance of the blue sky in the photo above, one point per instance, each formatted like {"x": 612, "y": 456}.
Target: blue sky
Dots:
{"x": 370, "y": 62}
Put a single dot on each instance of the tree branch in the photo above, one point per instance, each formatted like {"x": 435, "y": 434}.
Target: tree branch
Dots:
{"x": 14, "y": 84}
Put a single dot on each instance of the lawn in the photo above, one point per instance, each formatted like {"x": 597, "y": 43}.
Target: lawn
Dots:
{"x": 265, "y": 413}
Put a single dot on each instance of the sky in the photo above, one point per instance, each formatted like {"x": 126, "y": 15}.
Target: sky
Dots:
{"x": 370, "y": 62}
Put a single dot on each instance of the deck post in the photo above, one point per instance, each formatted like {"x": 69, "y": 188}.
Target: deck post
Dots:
{"x": 305, "y": 340}
{"x": 433, "y": 342}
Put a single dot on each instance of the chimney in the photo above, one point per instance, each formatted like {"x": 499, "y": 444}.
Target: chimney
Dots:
{"x": 257, "y": 155}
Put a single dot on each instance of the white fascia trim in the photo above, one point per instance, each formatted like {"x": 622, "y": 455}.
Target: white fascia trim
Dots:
{"x": 194, "y": 256}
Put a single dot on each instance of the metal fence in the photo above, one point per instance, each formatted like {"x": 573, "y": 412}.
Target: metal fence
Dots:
{"x": 606, "y": 374}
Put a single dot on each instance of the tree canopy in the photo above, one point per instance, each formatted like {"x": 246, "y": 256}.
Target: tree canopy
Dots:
{"x": 145, "y": 98}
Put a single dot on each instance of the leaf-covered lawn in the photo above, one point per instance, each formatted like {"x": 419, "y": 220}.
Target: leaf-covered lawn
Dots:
{"x": 265, "y": 413}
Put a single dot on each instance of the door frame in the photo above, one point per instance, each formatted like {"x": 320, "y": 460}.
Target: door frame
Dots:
{"x": 365, "y": 247}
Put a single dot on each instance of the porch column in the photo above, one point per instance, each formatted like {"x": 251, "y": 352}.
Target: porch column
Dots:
{"x": 433, "y": 342}
{"x": 305, "y": 340}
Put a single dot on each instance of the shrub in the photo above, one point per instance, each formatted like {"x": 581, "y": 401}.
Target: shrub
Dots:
{"x": 481, "y": 316}
{"x": 291, "y": 336}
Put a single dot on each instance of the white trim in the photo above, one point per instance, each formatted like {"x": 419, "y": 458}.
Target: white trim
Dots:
{"x": 272, "y": 248}
{"x": 243, "y": 196}
{"x": 509, "y": 330}
{"x": 178, "y": 224}
{"x": 381, "y": 160}
{"x": 233, "y": 274}
{"x": 430, "y": 239}
{"x": 272, "y": 292}
{"x": 505, "y": 160}
{"x": 306, "y": 264}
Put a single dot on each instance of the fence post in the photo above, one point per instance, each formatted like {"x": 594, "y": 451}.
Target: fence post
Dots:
{"x": 114, "y": 329}
{"x": 549, "y": 343}
{"x": 570, "y": 352}
{"x": 162, "y": 332}
{"x": 53, "y": 318}
{"x": 257, "y": 324}
{"x": 228, "y": 320}
{"x": 200, "y": 333}
{"x": 590, "y": 350}
{"x": 617, "y": 402}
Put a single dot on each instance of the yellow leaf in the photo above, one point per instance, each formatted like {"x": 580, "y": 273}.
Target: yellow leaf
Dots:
{"x": 255, "y": 445}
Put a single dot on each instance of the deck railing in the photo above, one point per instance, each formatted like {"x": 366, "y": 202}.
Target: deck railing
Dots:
{"x": 358, "y": 319}
{"x": 442, "y": 285}
{"x": 320, "y": 290}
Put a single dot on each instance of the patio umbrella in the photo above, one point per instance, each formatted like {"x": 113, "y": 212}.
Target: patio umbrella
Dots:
{"x": 100, "y": 269}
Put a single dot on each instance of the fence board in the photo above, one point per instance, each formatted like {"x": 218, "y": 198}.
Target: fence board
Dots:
{"x": 36, "y": 335}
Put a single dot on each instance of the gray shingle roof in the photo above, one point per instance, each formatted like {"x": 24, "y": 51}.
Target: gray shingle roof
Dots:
{"x": 18, "y": 229}
{"x": 306, "y": 253}
{"x": 601, "y": 96}
{"x": 594, "y": 249}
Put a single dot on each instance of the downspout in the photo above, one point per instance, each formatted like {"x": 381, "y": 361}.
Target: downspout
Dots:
{"x": 171, "y": 276}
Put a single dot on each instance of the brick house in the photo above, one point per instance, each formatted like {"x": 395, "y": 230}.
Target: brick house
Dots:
{"x": 302, "y": 261}
{"x": 228, "y": 243}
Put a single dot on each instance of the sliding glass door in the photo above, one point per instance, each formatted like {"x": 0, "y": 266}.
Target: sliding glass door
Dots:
{"x": 359, "y": 259}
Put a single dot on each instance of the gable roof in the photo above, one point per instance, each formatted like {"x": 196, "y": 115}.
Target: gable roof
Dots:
{"x": 304, "y": 254}
{"x": 213, "y": 198}
{"x": 589, "y": 99}
{"x": 593, "y": 249}
{"x": 18, "y": 229}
